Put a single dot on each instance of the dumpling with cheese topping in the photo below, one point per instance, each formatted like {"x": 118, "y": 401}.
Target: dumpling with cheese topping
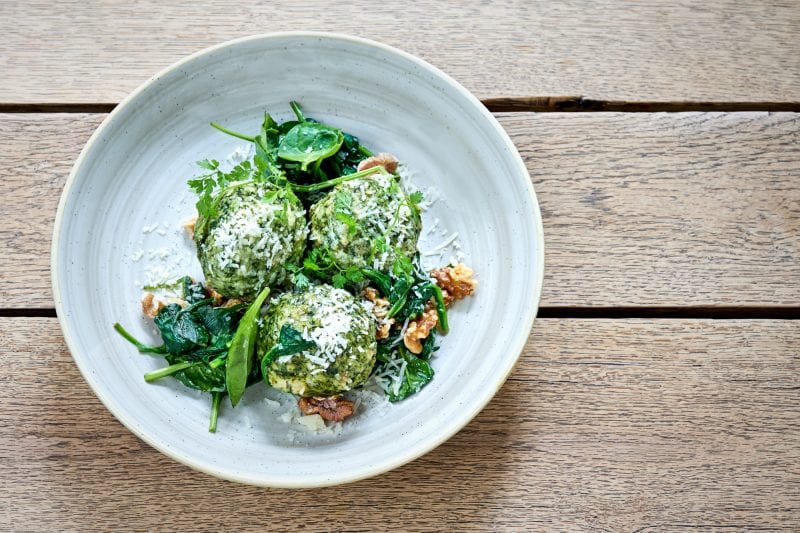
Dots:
{"x": 364, "y": 222}
{"x": 342, "y": 343}
{"x": 253, "y": 231}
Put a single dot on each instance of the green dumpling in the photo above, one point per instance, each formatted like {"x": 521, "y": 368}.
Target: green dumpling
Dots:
{"x": 344, "y": 333}
{"x": 362, "y": 223}
{"x": 246, "y": 245}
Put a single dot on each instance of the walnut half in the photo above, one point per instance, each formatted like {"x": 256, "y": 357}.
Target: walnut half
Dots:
{"x": 151, "y": 305}
{"x": 419, "y": 329}
{"x": 189, "y": 226}
{"x": 334, "y": 408}
{"x": 456, "y": 281}
{"x": 387, "y": 161}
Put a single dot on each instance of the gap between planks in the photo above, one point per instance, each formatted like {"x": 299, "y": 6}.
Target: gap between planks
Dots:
{"x": 540, "y": 104}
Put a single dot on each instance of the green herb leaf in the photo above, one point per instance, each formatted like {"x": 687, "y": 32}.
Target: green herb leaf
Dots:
{"x": 342, "y": 210}
{"x": 240, "y": 354}
{"x": 212, "y": 164}
{"x": 266, "y": 156}
{"x": 339, "y": 280}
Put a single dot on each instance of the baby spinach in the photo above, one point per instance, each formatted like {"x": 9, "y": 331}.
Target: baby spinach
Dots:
{"x": 301, "y": 151}
{"x": 417, "y": 373}
{"x": 266, "y": 156}
{"x": 290, "y": 342}
{"x": 309, "y": 142}
{"x": 180, "y": 330}
{"x": 240, "y": 353}
{"x": 199, "y": 375}
{"x": 195, "y": 340}
{"x": 350, "y": 154}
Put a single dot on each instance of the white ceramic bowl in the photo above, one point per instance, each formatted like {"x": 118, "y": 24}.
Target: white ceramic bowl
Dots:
{"x": 132, "y": 174}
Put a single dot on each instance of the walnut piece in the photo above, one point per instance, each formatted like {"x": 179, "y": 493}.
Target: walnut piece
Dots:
{"x": 381, "y": 305}
{"x": 216, "y": 297}
{"x": 380, "y": 309}
{"x": 334, "y": 408}
{"x": 419, "y": 329}
{"x": 230, "y": 302}
{"x": 387, "y": 161}
{"x": 382, "y": 329}
{"x": 219, "y": 300}
{"x": 151, "y": 305}
{"x": 456, "y": 282}
{"x": 189, "y": 226}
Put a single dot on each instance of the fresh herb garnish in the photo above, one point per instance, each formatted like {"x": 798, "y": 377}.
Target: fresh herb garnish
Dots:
{"x": 343, "y": 210}
{"x": 206, "y": 185}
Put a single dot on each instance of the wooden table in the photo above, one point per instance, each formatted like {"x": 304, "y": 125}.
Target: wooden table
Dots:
{"x": 659, "y": 390}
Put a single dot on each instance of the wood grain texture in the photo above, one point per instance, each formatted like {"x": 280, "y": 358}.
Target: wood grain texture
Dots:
{"x": 605, "y": 425}
{"x": 695, "y": 209}
{"x": 98, "y": 51}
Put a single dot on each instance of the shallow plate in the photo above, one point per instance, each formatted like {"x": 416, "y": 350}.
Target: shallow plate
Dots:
{"x": 118, "y": 225}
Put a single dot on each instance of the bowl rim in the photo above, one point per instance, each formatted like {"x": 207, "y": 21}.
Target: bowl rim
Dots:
{"x": 412, "y": 453}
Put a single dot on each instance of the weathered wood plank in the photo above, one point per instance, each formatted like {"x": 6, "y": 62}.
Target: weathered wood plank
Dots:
{"x": 699, "y": 209}
{"x": 610, "y": 425}
{"x": 90, "y": 51}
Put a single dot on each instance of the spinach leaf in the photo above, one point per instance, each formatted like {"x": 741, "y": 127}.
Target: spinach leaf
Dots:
{"x": 181, "y": 329}
{"x": 290, "y": 342}
{"x": 349, "y": 155}
{"x": 240, "y": 354}
{"x": 297, "y": 111}
{"x": 192, "y": 291}
{"x": 199, "y": 375}
{"x": 143, "y": 348}
{"x": 309, "y": 142}
{"x": 302, "y": 152}
{"x": 218, "y": 321}
{"x": 417, "y": 374}
{"x": 266, "y": 156}
{"x": 428, "y": 347}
